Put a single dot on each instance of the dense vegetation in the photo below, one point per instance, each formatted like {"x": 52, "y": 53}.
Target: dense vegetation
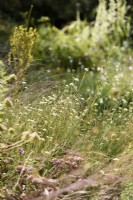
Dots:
{"x": 66, "y": 109}
{"x": 60, "y": 12}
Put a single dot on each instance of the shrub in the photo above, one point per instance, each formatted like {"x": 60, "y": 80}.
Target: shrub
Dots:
{"x": 21, "y": 46}
{"x": 111, "y": 29}
{"x": 80, "y": 44}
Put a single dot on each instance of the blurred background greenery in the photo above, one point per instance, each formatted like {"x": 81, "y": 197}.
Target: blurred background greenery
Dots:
{"x": 60, "y": 12}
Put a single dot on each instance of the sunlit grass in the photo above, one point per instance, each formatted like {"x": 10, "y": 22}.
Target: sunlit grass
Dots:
{"x": 93, "y": 120}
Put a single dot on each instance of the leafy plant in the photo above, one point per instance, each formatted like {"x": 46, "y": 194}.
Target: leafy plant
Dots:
{"x": 111, "y": 29}
{"x": 21, "y": 45}
{"x": 80, "y": 45}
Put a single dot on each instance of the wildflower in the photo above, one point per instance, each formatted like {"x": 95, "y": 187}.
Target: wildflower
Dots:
{"x": 42, "y": 102}
{"x": 102, "y": 172}
{"x": 115, "y": 91}
{"x": 35, "y": 135}
{"x": 74, "y": 164}
{"x": 30, "y": 120}
{"x": 47, "y": 152}
{"x": 114, "y": 99}
{"x": 12, "y": 78}
{"x": 82, "y": 99}
{"x": 76, "y": 117}
{"x": 11, "y": 130}
{"x": 2, "y": 127}
{"x": 40, "y": 110}
{"x": 101, "y": 100}
{"x": 76, "y": 79}
{"x": 24, "y": 83}
{"x": 25, "y": 135}
{"x": 46, "y": 192}
{"x": 113, "y": 135}
{"x": 21, "y": 151}
{"x": 127, "y": 93}
{"x": 71, "y": 84}
{"x": 116, "y": 159}
{"x": 86, "y": 69}
{"x": 54, "y": 114}
{"x": 68, "y": 70}
{"x": 25, "y": 169}
{"x": 124, "y": 101}
{"x": 46, "y": 122}
{"x": 125, "y": 109}
{"x": 8, "y": 102}
{"x": 48, "y": 71}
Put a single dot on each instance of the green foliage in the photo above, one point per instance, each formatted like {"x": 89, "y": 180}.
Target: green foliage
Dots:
{"x": 95, "y": 121}
{"x": 81, "y": 45}
{"x": 66, "y": 48}
{"x": 111, "y": 27}
{"x": 21, "y": 44}
{"x": 127, "y": 193}
{"x": 60, "y": 12}
{"x": 49, "y": 124}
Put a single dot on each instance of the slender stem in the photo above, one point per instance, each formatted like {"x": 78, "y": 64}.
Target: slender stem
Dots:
{"x": 29, "y": 17}
{"x": 22, "y": 171}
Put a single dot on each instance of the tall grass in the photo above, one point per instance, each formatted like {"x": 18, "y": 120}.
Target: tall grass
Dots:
{"x": 2, "y": 87}
{"x": 72, "y": 138}
{"x": 95, "y": 125}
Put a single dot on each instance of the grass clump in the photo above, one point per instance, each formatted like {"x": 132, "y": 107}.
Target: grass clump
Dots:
{"x": 3, "y": 85}
{"x": 64, "y": 130}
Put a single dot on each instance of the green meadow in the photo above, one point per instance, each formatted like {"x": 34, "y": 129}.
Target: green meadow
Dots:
{"x": 66, "y": 109}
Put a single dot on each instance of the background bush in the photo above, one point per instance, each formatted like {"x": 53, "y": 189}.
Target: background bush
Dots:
{"x": 80, "y": 44}
{"x": 60, "y": 12}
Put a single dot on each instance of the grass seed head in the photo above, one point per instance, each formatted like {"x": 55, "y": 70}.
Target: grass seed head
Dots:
{"x": 26, "y": 135}
{"x": 12, "y": 78}
{"x": 8, "y": 103}
{"x": 35, "y": 136}
{"x": 115, "y": 91}
{"x": 11, "y": 130}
